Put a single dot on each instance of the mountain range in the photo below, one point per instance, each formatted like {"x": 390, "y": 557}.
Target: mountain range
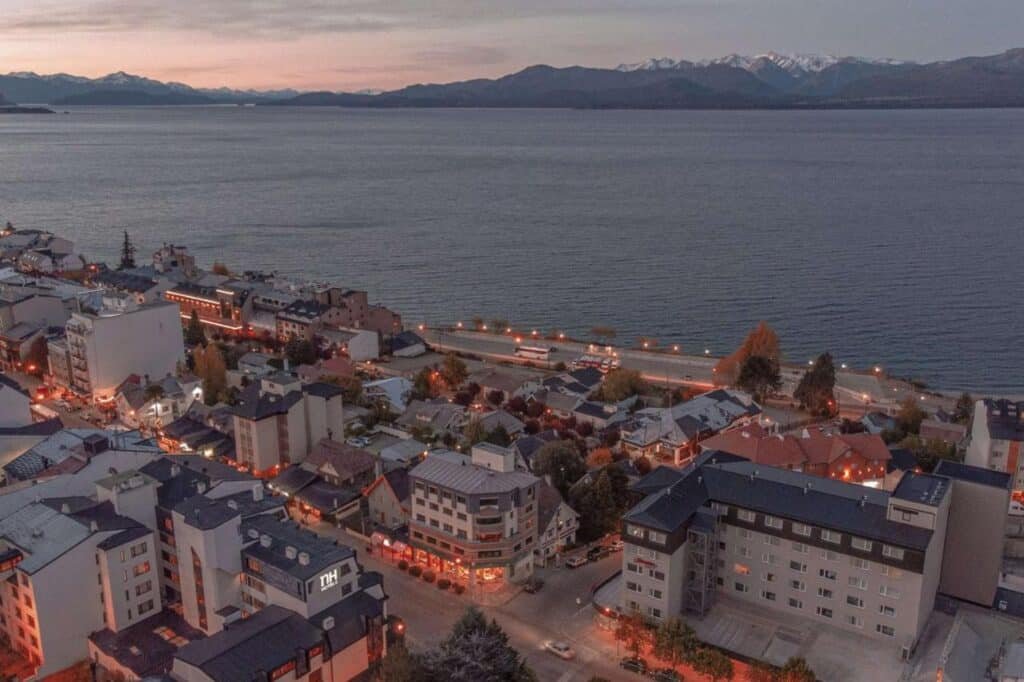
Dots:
{"x": 770, "y": 80}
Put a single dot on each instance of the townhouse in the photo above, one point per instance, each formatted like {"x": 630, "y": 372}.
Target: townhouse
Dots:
{"x": 474, "y": 518}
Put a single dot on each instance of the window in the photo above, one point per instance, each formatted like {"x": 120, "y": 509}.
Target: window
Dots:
{"x": 886, "y": 630}
{"x": 654, "y": 593}
{"x": 768, "y": 596}
{"x": 744, "y": 533}
{"x": 655, "y": 537}
{"x": 772, "y": 540}
{"x": 633, "y": 568}
{"x": 635, "y": 531}
{"x": 773, "y": 522}
{"x": 861, "y": 545}
{"x": 746, "y": 515}
{"x": 893, "y": 573}
{"x": 633, "y": 587}
{"x": 139, "y": 549}
{"x": 855, "y": 621}
{"x": 829, "y": 555}
{"x": 854, "y": 601}
{"x": 143, "y": 588}
{"x": 862, "y": 564}
{"x": 858, "y": 582}
{"x": 798, "y": 567}
{"x": 653, "y": 612}
{"x": 827, "y": 573}
{"x": 823, "y": 611}
{"x": 800, "y": 548}
{"x": 795, "y": 603}
{"x": 740, "y": 569}
{"x": 892, "y": 552}
{"x": 889, "y": 591}
{"x": 798, "y": 585}
{"x": 768, "y": 577}
{"x": 831, "y": 536}
{"x": 146, "y": 606}
{"x": 741, "y": 587}
{"x": 769, "y": 558}
{"x": 802, "y": 529}
{"x": 824, "y": 593}
{"x": 743, "y": 551}
{"x": 887, "y": 610}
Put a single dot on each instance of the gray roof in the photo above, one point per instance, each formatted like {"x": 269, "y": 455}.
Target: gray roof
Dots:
{"x": 1005, "y": 419}
{"x": 204, "y": 513}
{"x": 260, "y": 643}
{"x": 323, "y": 552}
{"x": 470, "y": 478}
{"x": 42, "y": 534}
{"x": 255, "y": 407}
{"x": 922, "y": 488}
{"x": 973, "y": 474}
{"x": 789, "y": 494}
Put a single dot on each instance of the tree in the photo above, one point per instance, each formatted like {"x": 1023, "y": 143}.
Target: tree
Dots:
{"x": 424, "y": 385}
{"x": 474, "y": 432}
{"x": 964, "y": 409}
{"x": 476, "y": 650}
{"x": 620, "y": 384}
{"x": 600, "y": 504}
{"x": 599, "y": 457}
{"x": 209, "y": 366}
{"x": 815, "y": 388}
{"x": 499, "y": 436}
{"x": 516, "y": 405}
{"x": 220, "y": 269}
{"x": 760, "y": 376}
{"x": 759, "y": 671}
{"x": 632, "y": 631}
{"x": 453, "y": 371}
{"x": 928, "y": 452}
{"x": 713, "y": 663}
{"x": 300, "y": 351}
{"x": 910, "y": 416}
{"x": 153, "y": 392}
{"x": 127, "y": 253}
{"x": 561, "y": 461}
{"x": 761, "y": 341}
{"x": 675, "y": 641}
{"x": 352, "y": 388}
{"x": 796, "y": 669}
{"x": 400, "y": 665}
{"x": 195, "y": 335}
{"x": 495, "y": 397}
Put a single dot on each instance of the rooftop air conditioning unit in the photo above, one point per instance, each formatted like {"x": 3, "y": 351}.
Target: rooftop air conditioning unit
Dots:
{"x": 304, "y": 558}
{"x": 290, "y": 552}
{"x": 265, "y": 540}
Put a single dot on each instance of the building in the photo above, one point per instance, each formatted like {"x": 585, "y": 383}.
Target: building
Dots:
{"x": 997, "y": 432}
{"x": 673, "y": 433}
{"x": 474, "y": 518}
{"x": 16, "y": 345}
{"x": 948, "y": 432}
{"x": 14, "y": 403}
{"x": 558, "y": 523}
{"x": 861, "y": 559}
{"x": 436, "y": 416}
{"x": 822, "y": 451}
{"x": 407, "y": 345}
{"x": 509, "y": 385}
{"x": 122, "y": 338}
{"x": 156, "y": 404}
{"x": 278, "y": 421}
{"x": 144, "y": 289}
{"x": 222, "y": 309}
{"x": 170, "y": 259}
{"x": 388, "y": 500}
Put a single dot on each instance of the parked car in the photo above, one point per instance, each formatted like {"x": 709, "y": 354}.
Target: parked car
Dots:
{"x": 616, "y": 546}
{"x": 358, "y": 441}
{"x": 595, "y": 553}
{"x": 576, "y": 561}
{"x": 665, "y": 675}
{"x": 533, "y": 585}
{"x": 560, "y": 649}
{"x": 637, "y": 665}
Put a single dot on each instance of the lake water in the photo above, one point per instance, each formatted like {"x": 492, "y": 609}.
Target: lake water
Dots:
{"x": 890, "y": 237}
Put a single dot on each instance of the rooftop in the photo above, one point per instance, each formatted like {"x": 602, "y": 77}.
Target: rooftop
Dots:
{"x": 922, "y": 488}
{"x": 973, "y": 474}
{"x": 469, "y": 478}
{"x": 321, "y": 552}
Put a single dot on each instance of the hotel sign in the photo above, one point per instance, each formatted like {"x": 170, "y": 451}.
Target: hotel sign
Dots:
{"x": 329, "y": 579}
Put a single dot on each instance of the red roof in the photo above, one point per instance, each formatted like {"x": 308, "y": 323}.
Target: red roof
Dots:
{"x": 812, "y": 446}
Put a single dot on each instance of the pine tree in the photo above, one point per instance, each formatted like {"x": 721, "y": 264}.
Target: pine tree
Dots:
{"x": 194, "y": 334}
{"x": 476, "y": 651}
{"x": 127, "y": 253}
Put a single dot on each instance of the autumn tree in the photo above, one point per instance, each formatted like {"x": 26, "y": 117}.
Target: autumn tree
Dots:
{"x": 599, "y": 457}
{"x": 761, "y": 341}
{"x": 713, "y": 663}
{"x": 632, "y": 631}
{"x": 561, "y": 461}
{"x": 796, "y": 669}
{"x": 620, "y": 384}
{"x": 210, "y": 367}
{"x": 453, "y": 371}
{"x": 964, "y": 409}
{"x": 675, "y": 641}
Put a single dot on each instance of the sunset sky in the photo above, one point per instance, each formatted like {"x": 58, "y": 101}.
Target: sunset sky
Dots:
{"x": 355, "y": 44}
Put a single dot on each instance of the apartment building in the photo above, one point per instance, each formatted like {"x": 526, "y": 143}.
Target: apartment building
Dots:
{"x": 355, "y": 311}
{"x": 476, "y": 517}
{"x": 70, "y": 567}
{"x": 119, "y": 339}
{"x": 278, "y": 421}
{"x": 224, "y": 309}
{"x": 857, "y": 558}
{"x": 997, "y": 434}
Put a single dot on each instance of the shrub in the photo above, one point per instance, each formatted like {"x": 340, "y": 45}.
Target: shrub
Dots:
{"x": 429, "y": 576}
{"x": 403, "y": 565}
{"x": 415, "y": 571}
{"x": 444, "y": 584}
{"x": 459, "y": 588}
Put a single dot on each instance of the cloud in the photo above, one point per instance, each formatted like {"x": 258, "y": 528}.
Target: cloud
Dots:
{"x": 285, "y": 19}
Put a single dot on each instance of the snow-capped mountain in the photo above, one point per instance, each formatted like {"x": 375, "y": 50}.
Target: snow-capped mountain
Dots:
{"x": 797, "y": 65}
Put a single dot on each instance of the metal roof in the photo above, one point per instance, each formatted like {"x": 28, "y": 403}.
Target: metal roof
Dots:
{"x": 469, "y": 478}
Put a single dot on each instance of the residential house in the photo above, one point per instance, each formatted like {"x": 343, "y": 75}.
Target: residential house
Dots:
{"x": 155, "y": 404}
{"x": 388, "y": 500}
{"x": 557, "y": 521}
{"x": 492, "y": 420}
{"x": 436, "y": 416}
{"x": 509, "y": 385}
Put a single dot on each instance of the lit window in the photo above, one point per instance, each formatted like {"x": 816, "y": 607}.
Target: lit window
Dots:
{"x": 740, "y": 569}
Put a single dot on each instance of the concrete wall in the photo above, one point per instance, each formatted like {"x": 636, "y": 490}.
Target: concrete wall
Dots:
{"x": 975, "y": 534}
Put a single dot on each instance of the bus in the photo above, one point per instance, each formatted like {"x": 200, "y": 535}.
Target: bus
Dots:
{"x": 533, "y": 352}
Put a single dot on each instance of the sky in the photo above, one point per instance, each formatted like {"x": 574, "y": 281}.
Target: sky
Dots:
{"x": 357, "y": 44}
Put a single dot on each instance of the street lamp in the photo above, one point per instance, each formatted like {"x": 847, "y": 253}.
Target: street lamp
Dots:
{"x": 707, "y": 351}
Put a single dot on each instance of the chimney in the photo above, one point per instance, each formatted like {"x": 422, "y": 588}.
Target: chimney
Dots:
{"x": 328, "y": 623}
{"x": 290, "y": 552}
{"x": 175, "y": 470}
{"x": 304, "y": 558}
{"x": 257, "y": 492}
{"x": 265, "y": 541}
{"x": 65, "y": 508}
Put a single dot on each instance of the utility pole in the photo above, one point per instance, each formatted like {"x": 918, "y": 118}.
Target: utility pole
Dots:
{"x": 127, "y": 253}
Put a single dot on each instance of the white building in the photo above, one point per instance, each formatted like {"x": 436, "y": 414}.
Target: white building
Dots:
{"x": 120, "y": 339}
{"x": 997, "y": 439}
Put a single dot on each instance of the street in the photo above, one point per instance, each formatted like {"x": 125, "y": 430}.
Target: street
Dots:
{"x": 528, "y": 619}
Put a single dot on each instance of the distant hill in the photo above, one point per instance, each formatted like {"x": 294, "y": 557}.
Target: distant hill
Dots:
{"x": 132, "y": 98}
{"x": 3, "y": 100}
{"x": 47, "y": 89}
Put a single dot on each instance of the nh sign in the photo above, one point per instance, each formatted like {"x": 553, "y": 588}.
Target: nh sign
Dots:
{"x": 329, "y": 580}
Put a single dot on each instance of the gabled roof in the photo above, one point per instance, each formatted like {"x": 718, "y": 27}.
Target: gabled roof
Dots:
{"x": 469, "y": 478}
{"x": 548, "y": 502}
{"x": 346, "y": 460}
{"x": 405, "y": 340}
{"x": 255, "y": 406}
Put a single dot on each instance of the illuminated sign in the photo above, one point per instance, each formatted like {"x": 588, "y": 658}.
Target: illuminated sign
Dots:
{"x": 329, "y": 580}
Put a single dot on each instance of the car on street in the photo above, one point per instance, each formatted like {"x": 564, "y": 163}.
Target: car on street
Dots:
{"x": 616, "y": 546}
{"x": 533, "y": 585}
{"x": 595, "y": 553}
{"x": 665, "y": 675}
{"x": 560, "y": 649}
{"x": 636, "y": 665}
{"x": 576, "y": 561}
